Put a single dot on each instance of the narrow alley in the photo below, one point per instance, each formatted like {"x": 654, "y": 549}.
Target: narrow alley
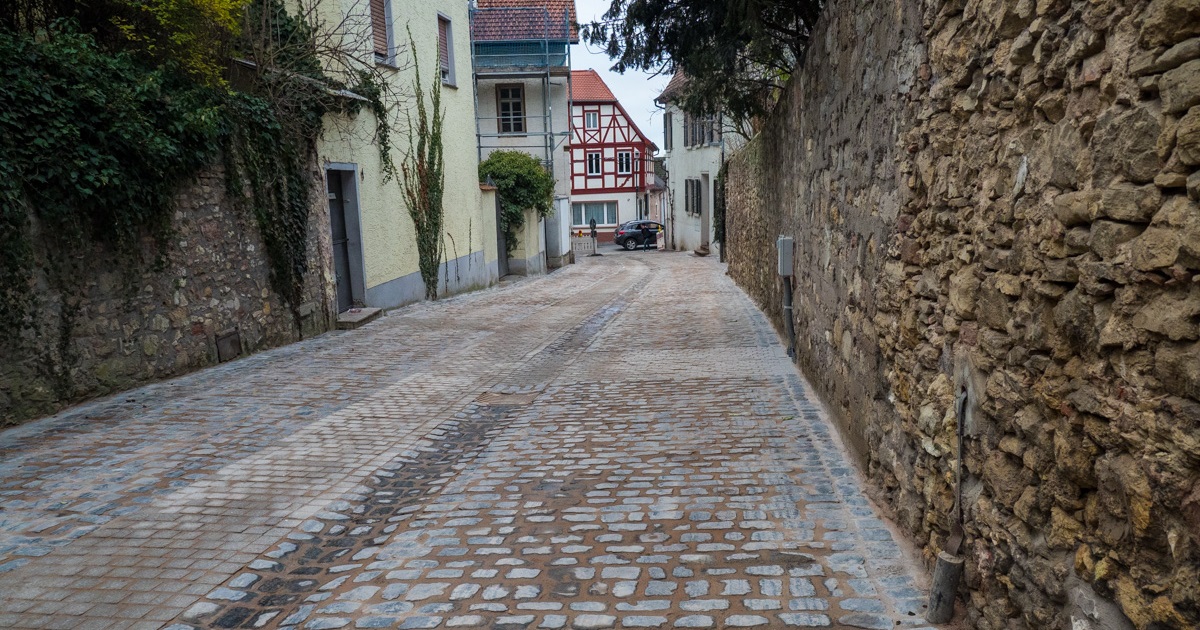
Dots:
{"x": 620, "y": 444}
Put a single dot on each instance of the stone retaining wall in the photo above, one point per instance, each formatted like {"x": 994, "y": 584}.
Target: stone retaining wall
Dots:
{"x": 164, "y": 319}
{"x": 1000, "y": 196}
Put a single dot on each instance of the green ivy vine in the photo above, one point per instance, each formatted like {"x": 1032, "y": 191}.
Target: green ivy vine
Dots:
{"x": 98, "y": 136}
{"x": 719, "y": 205}
{"x": 94, "y": 150}
{"x": 522, "y": 183}
{"x": 424, "y": 171}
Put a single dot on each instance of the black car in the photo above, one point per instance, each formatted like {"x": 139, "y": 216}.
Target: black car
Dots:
{"x": 629, "y": 234}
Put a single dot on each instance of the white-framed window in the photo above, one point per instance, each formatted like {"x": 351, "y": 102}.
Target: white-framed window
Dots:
{"x": 510, "y": 103}
{"x": 381, "y": 30}
{"x": 591, "y": 120}
{"x": 604, "y": 212}
{"x": 624, "y": 162}
{"x": 593, "y": 164}
{"x": 446, "y": 49}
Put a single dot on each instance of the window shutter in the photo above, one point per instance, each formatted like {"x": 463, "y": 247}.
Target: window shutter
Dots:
{"x": 444, "y": 44}
{"x": 379, "y": 27}
{"x": 667, "y": 131}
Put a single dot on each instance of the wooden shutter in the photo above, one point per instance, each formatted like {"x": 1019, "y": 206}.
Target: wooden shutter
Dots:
{"x": 444, "y": 44}
{"x": 379, "y": 27}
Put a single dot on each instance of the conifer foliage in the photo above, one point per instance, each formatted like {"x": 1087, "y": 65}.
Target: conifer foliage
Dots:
{"x": 736, "y": 53}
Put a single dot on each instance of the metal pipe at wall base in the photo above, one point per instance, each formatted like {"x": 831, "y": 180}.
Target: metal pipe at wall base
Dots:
{"x": 948, "y": 571}
{"x": 946, "y": 576}
{"x": 787, "y": 315}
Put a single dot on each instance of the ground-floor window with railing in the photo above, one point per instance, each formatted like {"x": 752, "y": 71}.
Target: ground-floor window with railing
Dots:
{"x": 604, "y": 212}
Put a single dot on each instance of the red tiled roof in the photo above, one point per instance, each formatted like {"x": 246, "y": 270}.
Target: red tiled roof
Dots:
{"x": 586, "y": 85}
{"x": 503, "y": 20}
{"x": 677, "y": 82}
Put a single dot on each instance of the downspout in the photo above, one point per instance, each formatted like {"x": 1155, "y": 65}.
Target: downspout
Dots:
{"x": 725, "y": 232}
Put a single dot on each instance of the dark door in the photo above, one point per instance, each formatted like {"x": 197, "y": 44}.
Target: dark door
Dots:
{"x": 341, "y": 240}
{"x": 501, "y": 243}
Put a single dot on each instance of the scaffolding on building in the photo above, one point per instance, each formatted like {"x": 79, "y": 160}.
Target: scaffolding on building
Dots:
{"x": 521, "y": 44}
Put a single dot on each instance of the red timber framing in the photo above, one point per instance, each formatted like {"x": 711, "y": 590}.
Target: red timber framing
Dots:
{"x": 625, "y": 152}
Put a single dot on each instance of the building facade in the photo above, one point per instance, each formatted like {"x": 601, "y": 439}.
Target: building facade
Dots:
{"x": 521, "y": 58}
{"x": 375, "y": 256}
{"x": 695, "y": 147}
{"x": 611, "y": 159}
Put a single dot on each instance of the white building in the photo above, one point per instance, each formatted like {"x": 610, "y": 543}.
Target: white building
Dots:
{"x": 695, "y": 147}
{"x": 521, "y": 57}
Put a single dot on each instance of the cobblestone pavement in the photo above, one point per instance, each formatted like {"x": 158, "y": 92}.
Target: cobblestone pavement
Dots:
{"x": 621, "y": 444}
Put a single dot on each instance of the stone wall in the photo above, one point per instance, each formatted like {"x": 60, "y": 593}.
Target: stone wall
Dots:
{"x": 1000, "y": 196}
{"x": 163, "y": 319}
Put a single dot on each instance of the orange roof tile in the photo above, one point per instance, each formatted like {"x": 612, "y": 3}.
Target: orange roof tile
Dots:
{"x": 525, "y": 15}
{"x": 586, "y": 85}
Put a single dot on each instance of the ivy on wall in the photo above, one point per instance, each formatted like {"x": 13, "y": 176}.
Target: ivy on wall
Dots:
{"x": 424, "y": 182}
{"x": 719, "y": 208}
{"x": 522, "y": 183}
{"x": 92, "y": 151}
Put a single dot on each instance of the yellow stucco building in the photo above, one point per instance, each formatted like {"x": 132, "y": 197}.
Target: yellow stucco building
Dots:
{"x": 374, "y": 239}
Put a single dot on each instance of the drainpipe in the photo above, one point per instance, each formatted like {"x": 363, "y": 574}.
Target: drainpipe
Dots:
{"x": 947, "y": 573}
{"x": 784, "y": 245}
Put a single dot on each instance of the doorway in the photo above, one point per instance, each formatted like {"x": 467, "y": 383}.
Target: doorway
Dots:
{"x": 501, "y": 243}
{"x": 342, "y": 190}
{"x": 705, "y": 211}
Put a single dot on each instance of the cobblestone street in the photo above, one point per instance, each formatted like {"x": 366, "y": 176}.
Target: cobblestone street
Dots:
{"x": 620, "y": 444}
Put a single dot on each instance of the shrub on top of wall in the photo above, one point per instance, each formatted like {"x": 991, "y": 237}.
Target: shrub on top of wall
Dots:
{"x": 522, "y": 183}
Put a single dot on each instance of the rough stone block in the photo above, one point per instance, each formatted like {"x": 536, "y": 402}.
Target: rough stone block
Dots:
{"x": 1156, "y": 248}
{"x": 1132, "y": 204}
{"x": 1076, "y": 208}
{"x": 1169, "y": 21}
{"x": 1180, "y": 88}
{"x": 1106, "y": 236}
{"x": 1178, "y": 367}
{"x": 1187, "y": 138}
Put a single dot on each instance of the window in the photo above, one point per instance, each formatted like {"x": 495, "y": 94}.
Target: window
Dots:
{"x": 624, "y": 162}
{"x": 593, "y": 164}
{"x": 714, "y": 129}
{"x": 692, "y": 196}
{"x": 667, "y": 131}
{"x": 604, "y": 212}
{"x": 446, "y": 50}
{"x": 511, "y": 105}
{"x": 700, "y": 130}
{"x": 381, "y": 30}
{"x": 591, "y": 120}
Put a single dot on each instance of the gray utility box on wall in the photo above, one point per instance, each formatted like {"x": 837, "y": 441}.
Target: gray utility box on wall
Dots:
{"x": 784, "y": 245}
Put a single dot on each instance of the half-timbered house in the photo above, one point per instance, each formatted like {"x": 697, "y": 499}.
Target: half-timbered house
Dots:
{"x": 611, "y": 159}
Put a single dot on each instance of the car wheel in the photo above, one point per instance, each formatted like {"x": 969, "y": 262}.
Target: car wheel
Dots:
{"x": 629, "y": 244}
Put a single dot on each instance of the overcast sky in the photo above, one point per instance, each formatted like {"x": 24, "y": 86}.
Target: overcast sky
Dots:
{"x": 635, "y": 90}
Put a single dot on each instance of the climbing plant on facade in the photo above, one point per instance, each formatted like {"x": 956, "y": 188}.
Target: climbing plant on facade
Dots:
{"x": 423, "y": 178}
{"x": 522, "y": 183}
{"x": 92, "y": 152}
